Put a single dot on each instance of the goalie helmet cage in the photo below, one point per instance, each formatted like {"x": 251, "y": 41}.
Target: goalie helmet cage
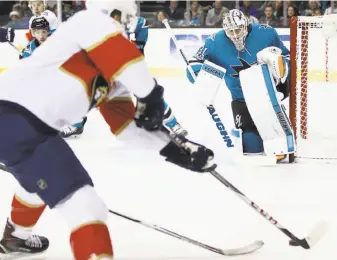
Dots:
{"x": 313, "y": 85}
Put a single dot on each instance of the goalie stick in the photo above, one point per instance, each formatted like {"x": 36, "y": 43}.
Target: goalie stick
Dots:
{"x": 226, "y": 252}
{"x": 168, "y": 27}
{"x": 306, "y": 243}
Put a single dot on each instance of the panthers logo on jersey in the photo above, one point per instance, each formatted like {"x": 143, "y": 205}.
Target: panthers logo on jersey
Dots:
{"x": 99, "y": 91}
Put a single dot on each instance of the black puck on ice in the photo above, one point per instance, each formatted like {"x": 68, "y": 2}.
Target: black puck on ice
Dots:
{"x": 293, "y": 243}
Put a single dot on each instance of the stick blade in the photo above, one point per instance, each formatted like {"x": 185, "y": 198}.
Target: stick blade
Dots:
{"x": 247, "y": 249}
{"x": 315, "y": 236}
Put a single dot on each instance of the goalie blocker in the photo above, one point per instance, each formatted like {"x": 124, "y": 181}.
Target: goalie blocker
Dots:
{"x": 268, "y": 115}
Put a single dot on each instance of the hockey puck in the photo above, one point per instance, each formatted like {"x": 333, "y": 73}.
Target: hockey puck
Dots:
{"x": 293, "y": 243}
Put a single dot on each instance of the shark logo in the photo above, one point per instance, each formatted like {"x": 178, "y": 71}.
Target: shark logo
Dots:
{"x": 244, "y": 65}
{"x": 264, "y": 26}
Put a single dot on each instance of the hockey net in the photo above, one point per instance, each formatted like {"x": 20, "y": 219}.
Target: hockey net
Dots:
{"x": 313, "y": 95}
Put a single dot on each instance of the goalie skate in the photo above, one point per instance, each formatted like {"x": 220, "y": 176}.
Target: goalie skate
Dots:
{"x": 12, "y": 247}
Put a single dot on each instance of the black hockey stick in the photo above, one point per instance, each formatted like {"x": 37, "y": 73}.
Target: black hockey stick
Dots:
{"x": 226, "y": 252}
{"x": 307, "y": 242}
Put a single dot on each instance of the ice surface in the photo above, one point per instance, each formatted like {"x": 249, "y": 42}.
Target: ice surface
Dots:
{"x": 138, "y": 183}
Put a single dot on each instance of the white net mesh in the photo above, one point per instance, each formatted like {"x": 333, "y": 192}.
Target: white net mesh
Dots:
{"x": 315, "y": 103}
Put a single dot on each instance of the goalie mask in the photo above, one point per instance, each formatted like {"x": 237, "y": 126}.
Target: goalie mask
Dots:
{"x": 235, "y": 24}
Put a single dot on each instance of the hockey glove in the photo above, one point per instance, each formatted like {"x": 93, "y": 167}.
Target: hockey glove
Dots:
{"x": 7, "y": 35}
{"x": 190, "y": 155}
{"x": 150, "y": 110}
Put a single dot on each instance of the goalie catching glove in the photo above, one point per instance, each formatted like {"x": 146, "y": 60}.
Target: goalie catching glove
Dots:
{"x": 189, "y": 155}
{"x": 277, "y": 64}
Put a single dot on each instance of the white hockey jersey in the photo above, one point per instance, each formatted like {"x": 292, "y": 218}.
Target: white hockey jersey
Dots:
{"x": 57, "y": 83}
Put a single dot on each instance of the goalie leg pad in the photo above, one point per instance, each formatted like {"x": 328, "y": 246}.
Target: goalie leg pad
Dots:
{"x": 251, "y": 140}
{"x": 269, "y": 116}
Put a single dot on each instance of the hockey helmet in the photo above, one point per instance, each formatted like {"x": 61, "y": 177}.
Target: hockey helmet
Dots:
{"x": 235, "y": 24}
{"x": 40, "y": 23}
{"x": 40, "y": 29}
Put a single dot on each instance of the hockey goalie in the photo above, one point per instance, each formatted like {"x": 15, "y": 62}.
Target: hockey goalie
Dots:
{"x": 252, "y": 60}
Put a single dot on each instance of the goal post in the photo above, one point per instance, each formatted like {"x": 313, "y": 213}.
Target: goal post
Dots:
{"x": 313, "y": 85}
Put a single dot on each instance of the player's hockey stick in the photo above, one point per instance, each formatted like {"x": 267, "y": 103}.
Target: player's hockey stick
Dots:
{"x": 226, "y": 252}
{"x": 307, "y": 242}
{"x": 16, "y": 48}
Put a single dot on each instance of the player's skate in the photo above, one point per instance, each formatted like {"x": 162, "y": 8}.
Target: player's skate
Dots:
{"x": 75, "y": 130}
{"x": 12, "y": 247}
{"x": 171, "y": 124}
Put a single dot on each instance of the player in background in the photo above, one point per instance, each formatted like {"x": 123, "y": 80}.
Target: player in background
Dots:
{"x": 33, "y": 111}
{"x": 40, "y": 32}
{"x": 236, "y": 47}
{"x": 137, "y": 30}
{"x": 39, "y": 8}
{"x": 7, "y": 35}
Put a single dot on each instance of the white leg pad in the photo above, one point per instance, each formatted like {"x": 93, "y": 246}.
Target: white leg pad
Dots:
{"x": 209, "y": 79}
{"x": 268, "y": 115}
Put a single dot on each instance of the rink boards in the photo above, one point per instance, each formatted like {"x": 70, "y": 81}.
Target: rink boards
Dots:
{"x": 161, "y": 55}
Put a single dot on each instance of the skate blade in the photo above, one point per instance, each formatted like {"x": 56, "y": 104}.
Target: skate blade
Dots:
{"x": 75, "y": 136}
{"x": 18, "y": 255}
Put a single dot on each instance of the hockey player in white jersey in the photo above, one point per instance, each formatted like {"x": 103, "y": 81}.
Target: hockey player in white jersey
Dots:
{"x": 33, "y": 111}
{"x": 39, "y": 8}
